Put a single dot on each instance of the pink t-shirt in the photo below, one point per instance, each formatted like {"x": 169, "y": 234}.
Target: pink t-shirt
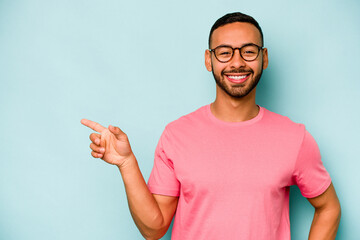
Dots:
{"x": 233, "y": 178}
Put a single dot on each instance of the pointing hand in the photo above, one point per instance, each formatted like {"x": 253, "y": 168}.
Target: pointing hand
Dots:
{"x": 110, "y": 144}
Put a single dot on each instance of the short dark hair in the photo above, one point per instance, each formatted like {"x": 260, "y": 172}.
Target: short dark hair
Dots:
{"x": 235, "y": 17}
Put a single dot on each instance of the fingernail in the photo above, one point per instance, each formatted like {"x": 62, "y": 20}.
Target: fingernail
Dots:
{"x": 102, "y": 149}
{"x": 97, "y": 141}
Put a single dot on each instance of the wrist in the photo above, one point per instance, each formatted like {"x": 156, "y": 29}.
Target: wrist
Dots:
{"x": 127, "y": 163}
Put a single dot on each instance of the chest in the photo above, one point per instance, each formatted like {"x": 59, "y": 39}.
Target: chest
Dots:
{"x": 241, "y": 162}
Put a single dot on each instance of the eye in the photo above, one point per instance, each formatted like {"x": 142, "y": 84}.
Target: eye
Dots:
{"x": 224, "y": 53}
{"x": 249, "y": 52}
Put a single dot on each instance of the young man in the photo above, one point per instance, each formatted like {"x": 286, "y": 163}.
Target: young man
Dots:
{"x": 226, "y": 168}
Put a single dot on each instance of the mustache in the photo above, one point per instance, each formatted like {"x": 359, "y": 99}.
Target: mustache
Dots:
{"x": 239, "y": 70}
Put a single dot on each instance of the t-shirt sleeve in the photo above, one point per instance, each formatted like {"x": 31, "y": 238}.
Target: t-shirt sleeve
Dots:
{"x": 162, "y": 179}
{"x": 309, "y": 173}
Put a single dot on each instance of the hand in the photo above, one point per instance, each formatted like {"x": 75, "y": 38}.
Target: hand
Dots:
{"x": 111, "y": 145}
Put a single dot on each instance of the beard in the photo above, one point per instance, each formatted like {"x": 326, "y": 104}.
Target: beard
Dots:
{"x": 238, "y": 90}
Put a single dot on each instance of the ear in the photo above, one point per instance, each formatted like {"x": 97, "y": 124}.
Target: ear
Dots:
{"x": 208, "y": 60}
{"x": 265, "y": 58}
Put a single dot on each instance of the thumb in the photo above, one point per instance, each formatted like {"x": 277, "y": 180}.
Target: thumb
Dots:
{"x": 120, "y": 135}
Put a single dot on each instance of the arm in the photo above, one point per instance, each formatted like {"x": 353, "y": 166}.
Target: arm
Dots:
{"x": 327, "y": 215}
{"x": 152, "y": 214}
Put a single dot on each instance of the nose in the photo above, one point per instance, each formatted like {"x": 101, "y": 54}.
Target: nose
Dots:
{"x": 237, "y": 61}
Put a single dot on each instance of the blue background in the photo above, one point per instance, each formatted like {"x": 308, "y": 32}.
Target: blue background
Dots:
{"x": 140, "y": 65}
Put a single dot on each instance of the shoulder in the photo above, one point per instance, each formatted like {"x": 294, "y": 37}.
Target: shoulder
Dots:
{"x": 194, "y": 119}
{"x": 184, "y": 127}
{"x": 282, "y": 124}
{"x": 278, "y": 119}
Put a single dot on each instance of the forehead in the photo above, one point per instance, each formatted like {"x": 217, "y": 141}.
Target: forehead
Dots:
{"x": 236, "y": 34}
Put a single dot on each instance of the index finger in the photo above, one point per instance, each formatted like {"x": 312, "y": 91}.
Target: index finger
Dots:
{"x": 93, "y": 125}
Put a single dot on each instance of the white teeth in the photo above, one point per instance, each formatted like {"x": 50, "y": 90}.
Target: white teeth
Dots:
{"x": 237, "y": 77}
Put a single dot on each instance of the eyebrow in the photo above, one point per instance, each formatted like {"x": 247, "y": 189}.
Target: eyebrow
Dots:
{"x": 226, "y": 45}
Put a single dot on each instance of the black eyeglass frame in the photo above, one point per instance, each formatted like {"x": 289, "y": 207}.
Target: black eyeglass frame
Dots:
{"x": 233, "y": 51}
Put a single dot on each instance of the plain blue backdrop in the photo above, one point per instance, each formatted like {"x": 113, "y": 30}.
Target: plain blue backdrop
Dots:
{"x": 139, "y": 65}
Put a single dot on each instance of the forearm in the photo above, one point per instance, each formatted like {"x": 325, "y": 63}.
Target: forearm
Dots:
{"x": 325, "y": 223}
{"x": 143, "y": 206}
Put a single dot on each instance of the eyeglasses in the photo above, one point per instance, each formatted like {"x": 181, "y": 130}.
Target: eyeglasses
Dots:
{"x": 248, "y": 52}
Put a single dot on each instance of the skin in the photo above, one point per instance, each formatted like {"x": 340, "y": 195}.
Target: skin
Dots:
{"x": 227, "y": 107}
{"x": 327, "y": 215}
{"x": 234, "y": 102}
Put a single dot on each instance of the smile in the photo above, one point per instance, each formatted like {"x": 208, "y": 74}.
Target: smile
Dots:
{"x": 237, "y": 78}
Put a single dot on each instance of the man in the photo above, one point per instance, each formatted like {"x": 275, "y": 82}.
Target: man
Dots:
{"x": 226, "y": 168}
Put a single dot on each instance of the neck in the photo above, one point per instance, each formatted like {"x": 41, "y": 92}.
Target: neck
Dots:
{"x": 229, "y": 109}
